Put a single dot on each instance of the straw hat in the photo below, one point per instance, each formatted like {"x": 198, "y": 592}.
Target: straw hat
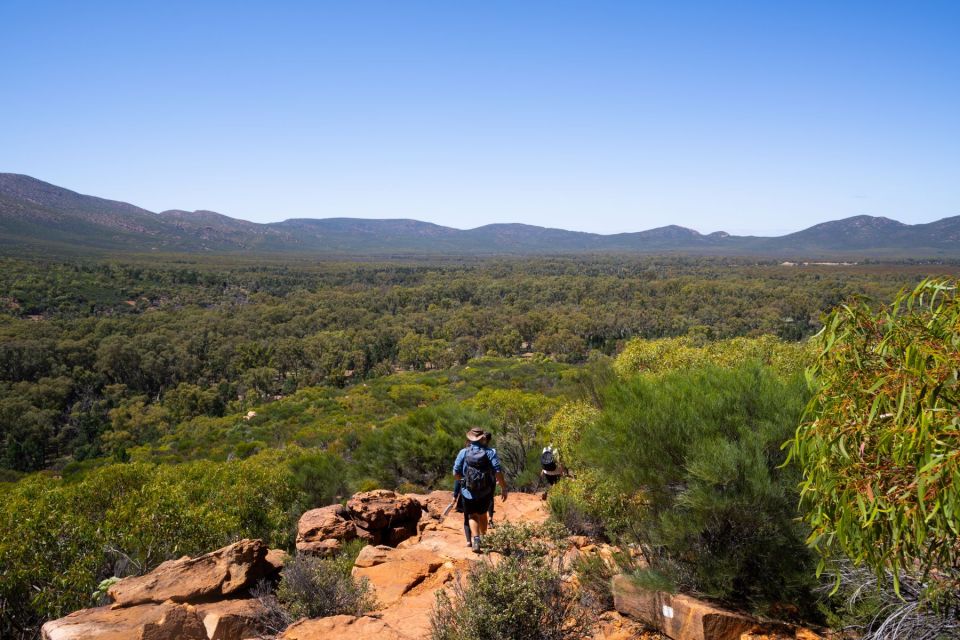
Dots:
{"x": 476, "y": 434}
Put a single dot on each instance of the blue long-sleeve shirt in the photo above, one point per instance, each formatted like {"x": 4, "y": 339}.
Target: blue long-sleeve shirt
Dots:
{"x": 458, "y": 465}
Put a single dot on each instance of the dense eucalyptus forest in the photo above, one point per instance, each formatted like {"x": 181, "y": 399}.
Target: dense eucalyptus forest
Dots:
{"x": 99, "y": 357}
{"x": 152, "y": 406}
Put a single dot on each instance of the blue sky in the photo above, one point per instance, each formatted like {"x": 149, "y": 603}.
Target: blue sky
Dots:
{"x": 760, "y": 117}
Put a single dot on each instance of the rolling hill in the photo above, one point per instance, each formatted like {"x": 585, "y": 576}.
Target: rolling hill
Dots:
{"x": 38, "y": 216}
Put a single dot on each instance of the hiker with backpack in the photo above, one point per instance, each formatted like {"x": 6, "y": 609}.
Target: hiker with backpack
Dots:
{"x": 550, "y": 468}
{"x": 477, "y": 469}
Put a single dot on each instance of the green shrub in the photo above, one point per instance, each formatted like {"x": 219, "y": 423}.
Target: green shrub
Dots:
{"x": 517, "y": 598}
{"x": 698, "y": 452}
{"x": 566, "y": 427}
{"x": 59, "y": 539}
{"x": 522, "y": 596}
{"x": 568, "y": 512}
{"x": 595, "y": 504}
{"x": 594, "y": 574}
{"x": 419, "y": 449}
{"x": 317, "y": 587}
{"x": 525, "y": 539}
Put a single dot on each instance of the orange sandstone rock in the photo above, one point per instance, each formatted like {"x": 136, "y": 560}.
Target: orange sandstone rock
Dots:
{"x": 214, "y": 575}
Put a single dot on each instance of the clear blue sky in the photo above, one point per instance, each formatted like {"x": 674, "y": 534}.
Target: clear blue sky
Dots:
{"x": 757, "y": 117}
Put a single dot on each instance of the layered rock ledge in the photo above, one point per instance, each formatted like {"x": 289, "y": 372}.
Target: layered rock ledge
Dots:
{"x": 414, "y": 552}
{"x": 202, "y": 598}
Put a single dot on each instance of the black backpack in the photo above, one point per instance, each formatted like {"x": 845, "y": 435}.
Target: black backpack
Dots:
{"x": 547, "y": 460}
{"x": 478, "y": 473}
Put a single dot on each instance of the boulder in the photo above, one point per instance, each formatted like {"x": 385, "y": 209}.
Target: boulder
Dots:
{"x": 167, "y": 621}
{"x": 395, "y": 535}
{"x": 373, "y": 516}
{"x": 211, "y": 576}
{"x": 341, "y": 628}
{"x": 236, "y": 619}
{"x": 276, "y": 558}
{"x": 321, "y": 531}
{"x": 372, "y": 555}
{"x": 433, "y": 503}
{"x": 382, "y": 509}
{"x": 179, "y": 623}
{"x": 678, "y": 616}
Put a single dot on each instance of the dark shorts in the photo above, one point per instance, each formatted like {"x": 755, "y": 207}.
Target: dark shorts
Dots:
{"x": 476, "y": 505}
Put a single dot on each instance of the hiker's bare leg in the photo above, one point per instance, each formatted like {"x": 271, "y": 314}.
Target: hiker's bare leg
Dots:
{"x": 481, "y": 520}
{"x": 475, "y": 524}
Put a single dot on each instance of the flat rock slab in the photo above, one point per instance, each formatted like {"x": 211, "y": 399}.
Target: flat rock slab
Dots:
{"x": 168, "y": 621}
{"x": 207, "y": 577}
{"x": 341, "y": 628}
{"x": 678, "y": 616}
{"x": 225, "y": 620}
{"x": 391, "y": 580}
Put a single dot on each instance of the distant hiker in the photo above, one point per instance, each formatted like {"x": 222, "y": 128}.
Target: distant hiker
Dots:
{"x": 478, "y": 471}
{"x": 550, "y": 468}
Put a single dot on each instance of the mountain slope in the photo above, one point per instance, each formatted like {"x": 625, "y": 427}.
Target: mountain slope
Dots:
{"x": 35, "y": 215}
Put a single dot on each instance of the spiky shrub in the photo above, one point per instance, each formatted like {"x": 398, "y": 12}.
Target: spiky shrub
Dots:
{"x": 594, "y": 503}
{"x": 524, "y": 539}
{"x": 700, "y": 451}
{"x": 517, "y": 598}
{"x": 522, "y": 596}
{"x": 317, "y": 587}
{"x": 880, "y": 442}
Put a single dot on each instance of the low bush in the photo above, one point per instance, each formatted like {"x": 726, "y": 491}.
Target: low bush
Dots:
{"x": 317, "y": 587}
{"x": 522, "y": 596}
{"x": 596, "y": 505}
{"x": 523, "y": 539}
{"x": 571, "y": 514}
{"x": 517, "y": 598}
{"x": 594, "y": 574}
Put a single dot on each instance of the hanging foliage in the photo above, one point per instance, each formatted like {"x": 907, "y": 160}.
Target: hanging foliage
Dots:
{"x": 880, "y": 442}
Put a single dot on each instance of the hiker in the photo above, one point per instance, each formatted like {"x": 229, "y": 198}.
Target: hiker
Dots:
{"x": 551, "y": 469}
{"x": 478, "y": 471}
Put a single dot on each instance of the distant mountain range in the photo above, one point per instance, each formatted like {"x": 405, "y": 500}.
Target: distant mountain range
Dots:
{"x": 38, "y": 216}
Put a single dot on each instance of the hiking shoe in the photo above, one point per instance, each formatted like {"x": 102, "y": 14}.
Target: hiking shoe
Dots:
{"x": 476, "y": 544}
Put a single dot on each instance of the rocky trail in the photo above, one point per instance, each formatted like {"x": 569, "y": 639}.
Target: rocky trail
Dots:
{"x": 412, "y": 552}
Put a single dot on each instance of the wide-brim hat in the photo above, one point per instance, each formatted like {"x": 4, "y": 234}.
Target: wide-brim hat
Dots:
{"x": 476, "y": 434}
